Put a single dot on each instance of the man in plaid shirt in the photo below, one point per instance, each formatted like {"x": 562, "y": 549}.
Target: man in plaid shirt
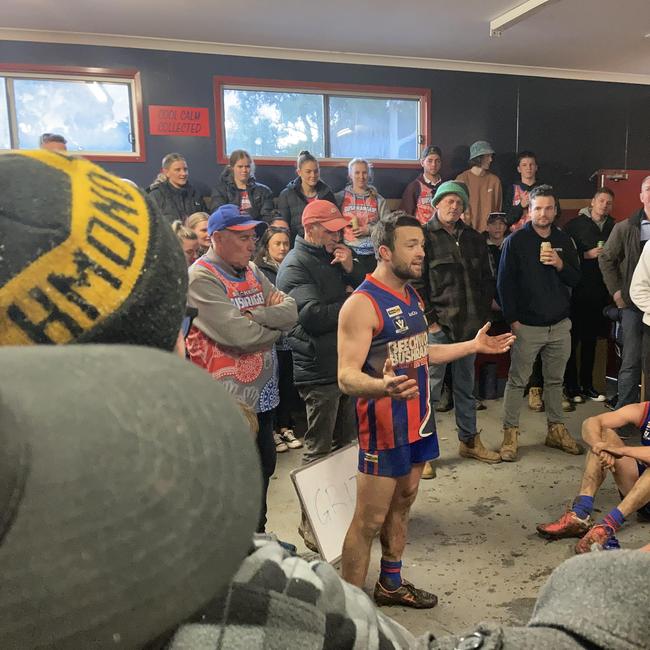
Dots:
{"x": 458, "y": 292}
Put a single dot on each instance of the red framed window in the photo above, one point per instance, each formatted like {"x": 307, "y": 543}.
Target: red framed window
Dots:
{"x": 97, "y": 110}
{"x": 274, "y": 120}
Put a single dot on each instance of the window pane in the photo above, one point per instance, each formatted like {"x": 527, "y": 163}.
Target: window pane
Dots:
{"x": 92, "y": 116}
{"x": 273, "y": 123}
{"x": 374, "y": 128}
{"x": 5, "y": 140}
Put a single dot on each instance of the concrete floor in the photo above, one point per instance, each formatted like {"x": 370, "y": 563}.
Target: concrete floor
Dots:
{"x": 472, "y": 538}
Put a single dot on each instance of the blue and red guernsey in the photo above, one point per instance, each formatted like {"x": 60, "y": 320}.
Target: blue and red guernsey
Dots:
{"x": 385, "y": 423}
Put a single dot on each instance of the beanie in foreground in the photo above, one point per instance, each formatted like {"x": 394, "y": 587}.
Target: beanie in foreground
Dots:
{"x": 83, "y": 259}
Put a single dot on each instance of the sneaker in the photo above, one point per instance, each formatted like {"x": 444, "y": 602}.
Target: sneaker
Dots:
{"x": 592, "y": 394}
{"x": 479, "y": 406}
{"x": 611, "y": 403}
{"x": 597, "y": 537}
{"x": 567, "y": 404}
{"x": 568, "y": 525}
{"x": 280, "y": 445}
{"x": 406, "y": 595}
{"x": 575, "y": 395}
{"x": 291, "y": 441}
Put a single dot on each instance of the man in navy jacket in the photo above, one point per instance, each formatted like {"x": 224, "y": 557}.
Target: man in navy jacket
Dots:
{"x": 539, "y": 266}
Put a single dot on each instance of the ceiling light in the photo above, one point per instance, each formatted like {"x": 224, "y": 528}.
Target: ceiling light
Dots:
{"x": 512, "y": 17}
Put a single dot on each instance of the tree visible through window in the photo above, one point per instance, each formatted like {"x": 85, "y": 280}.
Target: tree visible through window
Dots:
{"x": 337, "y": 122}
{"x": 98, "y": 115}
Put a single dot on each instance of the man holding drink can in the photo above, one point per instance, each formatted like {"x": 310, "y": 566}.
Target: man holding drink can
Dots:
{"x": 539, "y": 266}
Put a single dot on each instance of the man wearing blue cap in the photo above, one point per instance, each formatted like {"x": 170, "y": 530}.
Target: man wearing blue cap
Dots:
{"x": 241, "y": 315}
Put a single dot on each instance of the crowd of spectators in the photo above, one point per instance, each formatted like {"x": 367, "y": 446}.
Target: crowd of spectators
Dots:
{"x": 266, "y": 288}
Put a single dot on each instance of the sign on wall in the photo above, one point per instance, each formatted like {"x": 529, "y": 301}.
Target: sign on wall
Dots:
{"x": 179, "y": 120}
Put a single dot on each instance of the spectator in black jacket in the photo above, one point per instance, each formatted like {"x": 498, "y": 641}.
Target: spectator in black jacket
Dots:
{"x": 319, "y": 273}
{"x": 304, "y": 189}
{"x": 238, "y": 186}
{"x": 539, "y": 266}
{"x": 174, "y": 197}
{"x": 589, "y": 231}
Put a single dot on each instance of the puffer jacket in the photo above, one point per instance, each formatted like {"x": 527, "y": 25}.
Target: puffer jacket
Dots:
{"x": 292, "y": 202}
{"x": 176, "y": 203}
{"x": 259, "y": 195}
{"x": 319, "y": 289}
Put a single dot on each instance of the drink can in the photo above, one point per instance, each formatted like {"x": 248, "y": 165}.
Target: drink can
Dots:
{"x": 600, "y": 244}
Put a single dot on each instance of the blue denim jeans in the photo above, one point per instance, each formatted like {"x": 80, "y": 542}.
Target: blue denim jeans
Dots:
{"x": 462, "y": 375}
{"x": 629, "y": 375}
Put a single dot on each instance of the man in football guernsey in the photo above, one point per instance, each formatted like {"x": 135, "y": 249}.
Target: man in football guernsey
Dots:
{"x": 417, "y": 196}
{"x": 383, "y": 358}
{"x": 628, "y": 466}
{"x": 240, "y": 316}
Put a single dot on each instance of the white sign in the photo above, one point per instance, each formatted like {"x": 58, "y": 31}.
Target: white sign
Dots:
{"x": 327, "y": 489}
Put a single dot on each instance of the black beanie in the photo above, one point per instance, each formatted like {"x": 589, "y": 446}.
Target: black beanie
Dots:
{"x": 83, "y": 259}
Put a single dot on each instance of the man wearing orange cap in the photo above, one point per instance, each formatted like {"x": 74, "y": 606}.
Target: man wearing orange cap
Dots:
{"x": 319, "y": 273}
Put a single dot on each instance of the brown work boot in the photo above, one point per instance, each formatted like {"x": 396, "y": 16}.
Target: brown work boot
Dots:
{"x": 474, "y": 449}
{"x": 508, "y": 451}
{"x": 535, "y": 401}
{"x": 429, "y": 471}
{"x": 560, "y": 438}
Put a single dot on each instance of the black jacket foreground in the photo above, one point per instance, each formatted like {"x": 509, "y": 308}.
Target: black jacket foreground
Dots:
{"x": 259, "y": 195}
{"x": 531, "y": 292}
{"x": 176, "y": 203}
{"x": 292, "y": 202}
{"x": 319, "y": 289}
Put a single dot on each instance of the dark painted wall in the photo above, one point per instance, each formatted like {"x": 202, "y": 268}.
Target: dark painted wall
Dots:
{"x": 575, "y": 127}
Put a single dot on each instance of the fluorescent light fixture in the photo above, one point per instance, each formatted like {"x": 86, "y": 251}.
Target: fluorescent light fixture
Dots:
{"x": 512, "y": 17}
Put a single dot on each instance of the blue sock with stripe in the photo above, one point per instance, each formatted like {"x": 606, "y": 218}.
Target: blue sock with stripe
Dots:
{"x": 583, "y": 506}
{"x": 390, "y": 575}
{"x": 614, "y": 519}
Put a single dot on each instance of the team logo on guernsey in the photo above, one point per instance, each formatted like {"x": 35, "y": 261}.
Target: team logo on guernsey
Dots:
{"x": 394, "y": 311}
{"x": 400, "y": 325}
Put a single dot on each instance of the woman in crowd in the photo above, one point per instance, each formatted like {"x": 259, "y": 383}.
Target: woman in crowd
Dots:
{"x": 417, "y": 196}
{"x": 198, "y": 223}
{"x": 238, "y": 186}
{"x": 189, "y": 242}
{"x": 361, "y": 205}
{"x": 307, "y": 187}
{"x": 175, "y": 198}
{"x": 273, "y": 248}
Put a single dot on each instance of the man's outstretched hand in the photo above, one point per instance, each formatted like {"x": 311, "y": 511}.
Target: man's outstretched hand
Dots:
{"x": 398, "y": 386}
{"x": 493, "y": 344}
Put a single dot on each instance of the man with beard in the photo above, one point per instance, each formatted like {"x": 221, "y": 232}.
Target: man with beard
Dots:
{"x": 383, "y": 358}
{"x": 538, "y": 268}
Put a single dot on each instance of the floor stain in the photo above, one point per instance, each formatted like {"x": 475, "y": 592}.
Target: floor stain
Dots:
{"x": 485, "y": 505}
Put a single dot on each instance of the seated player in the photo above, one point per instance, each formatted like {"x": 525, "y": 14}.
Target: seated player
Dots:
{"x": 627, "y": 464}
